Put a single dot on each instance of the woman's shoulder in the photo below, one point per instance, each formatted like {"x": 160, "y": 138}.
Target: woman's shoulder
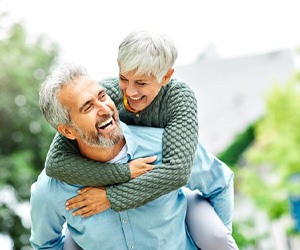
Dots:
{"x": 112, "y": 86}
{"x": 178, "y": 88}
{"x": 110, "y": 82}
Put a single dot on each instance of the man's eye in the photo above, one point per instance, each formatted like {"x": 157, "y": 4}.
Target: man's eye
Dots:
{"x": 88, "y": 108}
{"x": 102, "y": 96}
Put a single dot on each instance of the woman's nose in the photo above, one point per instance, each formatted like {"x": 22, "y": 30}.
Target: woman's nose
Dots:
{"x": 131, "y": 90}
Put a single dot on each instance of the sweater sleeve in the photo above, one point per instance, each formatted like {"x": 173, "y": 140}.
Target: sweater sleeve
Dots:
{"x": 65, "y": 163}
{"x": 179, "y": 144}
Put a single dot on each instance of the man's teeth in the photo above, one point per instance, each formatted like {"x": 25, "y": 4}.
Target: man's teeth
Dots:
{"x": 105, "y": 124}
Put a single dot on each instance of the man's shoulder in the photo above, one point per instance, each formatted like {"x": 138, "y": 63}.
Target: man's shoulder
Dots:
{"x": 50, "y": 187}
{"x": 141, "y": 131}
{"x": 143, "y": 141}
{"x": 40, "y": 190}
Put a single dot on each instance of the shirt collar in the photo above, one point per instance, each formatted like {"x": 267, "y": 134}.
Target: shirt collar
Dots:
{"x": 129, "y": 138}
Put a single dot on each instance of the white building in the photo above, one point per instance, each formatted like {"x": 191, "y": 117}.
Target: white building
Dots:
{"x": 231, "y": 92}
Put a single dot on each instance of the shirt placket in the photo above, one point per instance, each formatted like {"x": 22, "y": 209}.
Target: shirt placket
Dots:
{"x": 127, "y": 229}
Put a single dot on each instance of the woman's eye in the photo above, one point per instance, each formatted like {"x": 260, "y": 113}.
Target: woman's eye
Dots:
{"x": 123, "y": 79}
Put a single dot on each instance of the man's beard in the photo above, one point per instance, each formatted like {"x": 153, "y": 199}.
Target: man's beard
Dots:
{"x": 97, "y": 140}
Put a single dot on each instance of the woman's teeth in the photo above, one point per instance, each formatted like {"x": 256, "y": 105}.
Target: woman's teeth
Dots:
{"x": 136, "y": 98}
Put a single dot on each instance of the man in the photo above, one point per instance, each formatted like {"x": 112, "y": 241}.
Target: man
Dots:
{"x": 80, "y": 109}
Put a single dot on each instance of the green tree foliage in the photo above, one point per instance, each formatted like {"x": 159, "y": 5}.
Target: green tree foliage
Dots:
{"x": 24, "y": 135}
{"x": 233, "y": 153}
{"x": 273, "y": 174}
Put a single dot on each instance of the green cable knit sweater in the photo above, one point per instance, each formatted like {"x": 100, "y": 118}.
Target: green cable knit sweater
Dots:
{"x": 175, "y": 110}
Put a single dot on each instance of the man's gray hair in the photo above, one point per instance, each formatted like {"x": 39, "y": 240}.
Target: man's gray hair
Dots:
{"x": 149, "y": 53}
{"x": 50, "y": 106}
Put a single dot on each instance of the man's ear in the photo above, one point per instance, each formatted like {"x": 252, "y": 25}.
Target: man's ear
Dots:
{"x": 66, "y": 131}
{"x": 167, "y": 77}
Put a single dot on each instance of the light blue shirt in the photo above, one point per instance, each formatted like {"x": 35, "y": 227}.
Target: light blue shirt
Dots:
{"x": 159, "y": 224}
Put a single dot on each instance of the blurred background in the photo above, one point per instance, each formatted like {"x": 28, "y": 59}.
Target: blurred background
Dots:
{"x": 240, "y": 57}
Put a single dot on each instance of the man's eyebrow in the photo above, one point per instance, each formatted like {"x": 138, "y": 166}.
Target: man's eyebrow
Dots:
{"x": 101, "y": 91}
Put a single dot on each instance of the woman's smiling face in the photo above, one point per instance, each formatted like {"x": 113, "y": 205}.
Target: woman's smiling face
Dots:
{"x": 140, "y": 91}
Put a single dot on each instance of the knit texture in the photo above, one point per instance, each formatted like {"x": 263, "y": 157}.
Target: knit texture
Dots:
{"x": 175, "y": 110}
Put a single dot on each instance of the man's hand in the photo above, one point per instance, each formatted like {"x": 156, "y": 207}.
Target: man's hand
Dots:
{"x": 141, "y": 166}
{"x": 90, "y": 201}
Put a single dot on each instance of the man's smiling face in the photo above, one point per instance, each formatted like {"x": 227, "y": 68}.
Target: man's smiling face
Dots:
{"x": 94, "y": 116}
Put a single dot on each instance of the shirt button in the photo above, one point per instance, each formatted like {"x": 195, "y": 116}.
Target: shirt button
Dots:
{"x": 137, "y": 115}
{"x": 124, "y": 221}
{"x": 131, "y": 246}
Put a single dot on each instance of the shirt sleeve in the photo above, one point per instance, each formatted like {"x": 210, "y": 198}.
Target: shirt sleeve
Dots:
{"x": 180, "y": 139}
{"x": 46, "y": 224}
{"x": 214, "y": 179}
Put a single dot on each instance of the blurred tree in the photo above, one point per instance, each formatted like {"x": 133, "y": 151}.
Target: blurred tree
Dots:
{"x": 24, "y": 135}
{"x": 234, "y": 152}
{"x": 272, "y": 174}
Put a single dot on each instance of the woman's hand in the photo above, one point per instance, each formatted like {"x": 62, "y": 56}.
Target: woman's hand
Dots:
{"x": 141, "y": 166}
{"x": 89, "y": 201}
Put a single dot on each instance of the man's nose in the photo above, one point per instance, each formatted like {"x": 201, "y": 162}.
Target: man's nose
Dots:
{"x": 102, "y": 108}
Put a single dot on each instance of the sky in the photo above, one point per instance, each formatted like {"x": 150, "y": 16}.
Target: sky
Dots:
{"x": 89, "y": 32}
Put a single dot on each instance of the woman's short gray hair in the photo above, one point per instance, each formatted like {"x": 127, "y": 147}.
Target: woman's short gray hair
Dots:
{"x": 149, "y": 53}
{"x": 50, "y": 106}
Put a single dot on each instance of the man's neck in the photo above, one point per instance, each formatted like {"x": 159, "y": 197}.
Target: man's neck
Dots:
{"x": 99, "y": 153}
